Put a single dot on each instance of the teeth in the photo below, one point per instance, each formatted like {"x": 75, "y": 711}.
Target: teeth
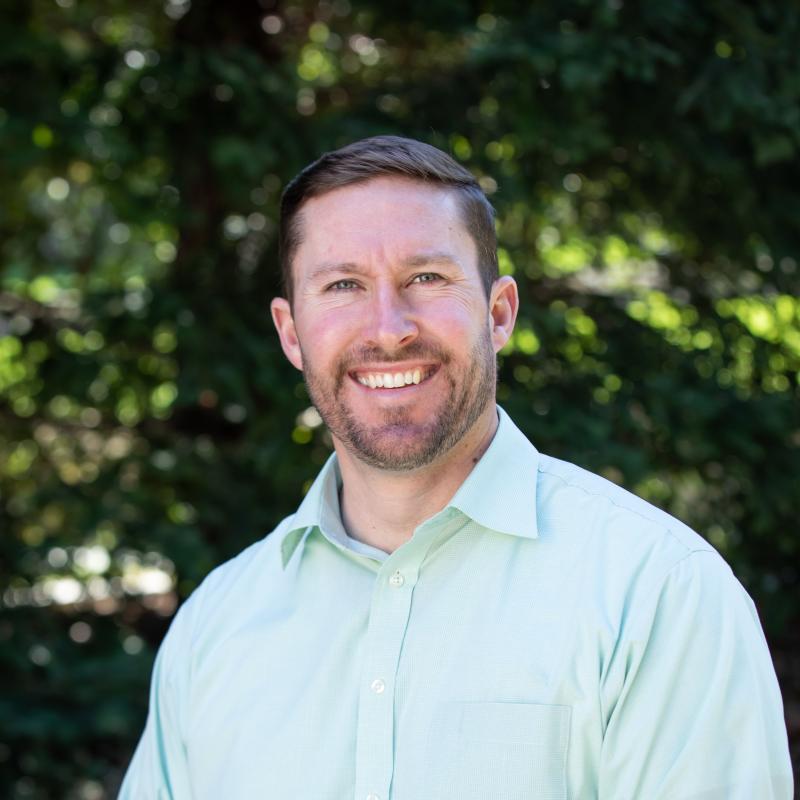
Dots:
{"x": 388, "y": 380}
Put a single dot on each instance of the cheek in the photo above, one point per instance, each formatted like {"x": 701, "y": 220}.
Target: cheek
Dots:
{"x": 326, "y": 336}
{"x": 456, "y": 323}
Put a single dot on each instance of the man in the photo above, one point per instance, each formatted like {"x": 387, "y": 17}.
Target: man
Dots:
{"x": 449, "y": 614}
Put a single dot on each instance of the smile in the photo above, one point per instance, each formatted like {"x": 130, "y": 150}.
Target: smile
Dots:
{"x": 394, "y": 379}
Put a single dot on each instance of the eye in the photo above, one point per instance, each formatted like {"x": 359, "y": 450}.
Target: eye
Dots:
{"x": 426, "y": 277}
{"x": 344, "y": 285}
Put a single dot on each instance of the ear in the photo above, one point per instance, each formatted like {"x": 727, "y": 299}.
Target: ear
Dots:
{"x": 284, "y": 323}
{"x": 503, "y": 307}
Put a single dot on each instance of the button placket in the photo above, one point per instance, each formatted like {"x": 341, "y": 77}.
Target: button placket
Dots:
{"x": 389, "y": 614}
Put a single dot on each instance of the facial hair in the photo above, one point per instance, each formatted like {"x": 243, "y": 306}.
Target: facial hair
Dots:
{"x": 397, "y": 443}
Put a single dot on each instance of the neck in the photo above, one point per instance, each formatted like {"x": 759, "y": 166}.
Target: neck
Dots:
{"x": 383, "y": 508}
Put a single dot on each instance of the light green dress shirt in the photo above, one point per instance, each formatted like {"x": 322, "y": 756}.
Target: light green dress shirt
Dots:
{"x": 545, "y": 636}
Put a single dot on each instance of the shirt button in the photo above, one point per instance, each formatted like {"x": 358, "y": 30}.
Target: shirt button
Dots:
{"x": 372, "y": 796}
{"x": 377, "y": 686}
{"x": 397, "y": 579}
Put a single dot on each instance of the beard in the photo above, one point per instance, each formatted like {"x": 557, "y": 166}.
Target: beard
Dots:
{"x": 398, "y": 443}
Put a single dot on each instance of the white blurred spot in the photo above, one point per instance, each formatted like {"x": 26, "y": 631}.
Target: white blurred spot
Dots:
{"x": 165, "y": 252}
{"x": 234, "y": 412}
{"x": 40, "y": 655}
{"x": 57, "y": 557}
{"x": 80, "y": 632}
{"x": 98, "y": 588}
{"x": 175, "y": 9}
{"x": 235, "y": 226}
{"x": 119, "y": 233}
{"x": 272, "y": 24}
{"x": 147, "y": 580}
{"x": 132, "y": 645}
{"x": 256, "y": 221}
{"x": 135, "y": 59}
{"x": 93, "y": 559}
{"x": 62, "y": 591}
{"x": 57, "y": 189}
{"x": 310, "y": 418}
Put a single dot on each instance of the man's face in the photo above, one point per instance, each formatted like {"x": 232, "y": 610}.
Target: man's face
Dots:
{"x": 390, "y": 322}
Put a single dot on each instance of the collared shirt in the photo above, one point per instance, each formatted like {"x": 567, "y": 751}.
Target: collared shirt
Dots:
{"x": 545, "y": 636}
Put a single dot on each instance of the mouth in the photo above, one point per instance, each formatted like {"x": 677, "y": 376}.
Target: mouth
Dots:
{"x": 394, "y": 378}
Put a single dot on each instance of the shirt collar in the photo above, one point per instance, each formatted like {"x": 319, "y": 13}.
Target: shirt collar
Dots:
{"x": 499, "y": 493}
{"x": 319, "y": 508}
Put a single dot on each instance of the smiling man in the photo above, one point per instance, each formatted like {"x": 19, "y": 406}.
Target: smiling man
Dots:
{"x": 449, "y": 613}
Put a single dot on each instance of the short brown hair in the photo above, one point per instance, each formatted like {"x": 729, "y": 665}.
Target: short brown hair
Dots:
{"x": 388, "y": 155}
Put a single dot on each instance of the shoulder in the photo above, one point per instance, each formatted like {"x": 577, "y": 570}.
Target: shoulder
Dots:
{"x": 637, "y": 571}
{"x": 626, "y": 556}
{"x": 233, "y": 588}
{"x": 260, "y": 558}
{"x": 609, "y": 514}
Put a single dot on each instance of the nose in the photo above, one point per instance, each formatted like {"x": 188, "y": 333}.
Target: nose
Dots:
{"x": 390, "y": 324}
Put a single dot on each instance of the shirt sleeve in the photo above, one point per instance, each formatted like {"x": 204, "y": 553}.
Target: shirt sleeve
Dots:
{"x": 699, "y": 714}
{"x": 159, "y": 768}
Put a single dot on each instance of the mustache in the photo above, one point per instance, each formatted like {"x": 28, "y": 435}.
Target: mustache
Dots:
{"x": 365, "y": 355}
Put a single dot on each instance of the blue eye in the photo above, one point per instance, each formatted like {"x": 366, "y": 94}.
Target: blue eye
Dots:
{"x": 426, "y": 277}
{"x": 344, "y": 285}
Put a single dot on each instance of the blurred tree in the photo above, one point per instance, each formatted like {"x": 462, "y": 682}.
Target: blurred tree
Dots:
{"x": 643, "y": 161}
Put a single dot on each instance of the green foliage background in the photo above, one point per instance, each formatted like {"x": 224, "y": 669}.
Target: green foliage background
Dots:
{"x": 643, "y": 158}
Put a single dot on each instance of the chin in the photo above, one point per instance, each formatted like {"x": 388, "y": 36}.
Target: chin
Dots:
{"x": 396, "y": 447}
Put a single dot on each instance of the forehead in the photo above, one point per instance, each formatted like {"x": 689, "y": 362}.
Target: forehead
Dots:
{"x": 383, "y": 217}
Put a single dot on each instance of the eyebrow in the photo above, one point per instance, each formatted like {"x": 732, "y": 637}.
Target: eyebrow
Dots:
{"x": 423, "y": 259}
{"x": 351, "y": 268}
{"x": 331, "y": 267}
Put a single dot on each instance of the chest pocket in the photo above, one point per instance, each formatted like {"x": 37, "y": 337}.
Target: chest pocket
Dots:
{"x": 498, "y": 751}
